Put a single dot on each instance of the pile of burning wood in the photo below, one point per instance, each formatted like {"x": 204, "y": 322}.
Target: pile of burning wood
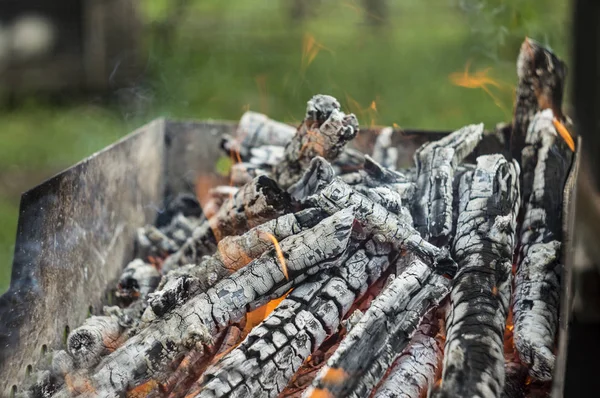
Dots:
{"x": 321, "y": 271}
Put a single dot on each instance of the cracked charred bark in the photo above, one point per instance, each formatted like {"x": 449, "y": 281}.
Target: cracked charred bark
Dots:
{"x": 413, "y": 373}
{"x": 382, "y": 332}
{"x": 265, "y": 362}
{"x": 196, "y": 322}
{"x": 320, "y": 188}
{"x": 234, "y": 253}
{"x": 436, "y": 163}
{"x": 324, "y": 132}
{"x": 537, "y": 286}
{"x": 480, "y": 294}
{"x": 254, "y": 204}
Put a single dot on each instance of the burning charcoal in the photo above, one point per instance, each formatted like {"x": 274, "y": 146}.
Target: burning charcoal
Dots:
{"x": 541, "y": 82}
{"x": 137, "y": 281}
{"x": 324, "y": 132}
{"x": 480, "y": 295}
{"x": 216, "y": 197}
{"x": 413, "y": 373}
{"x": 255, "y": 203}
{"x": 256, "y": 130}
{"x": 274, "y": 350}
{"x": 185, "y": 204}
{"x": 266, "y": 156}
{"x": 196, "y": 322}
{"x": 98, "y": 336}
{"x": 537, "y": 284}
{"x": 234, "y": 252}
{"x": 382, "y": 333}
{"x": 158, "y": 242}
{"x": 436, "y": 162}
{"x": 243, "y": 173}
{"x": 383, "y": 152}
{"x": 319, "y": 187}
{"x": 516, "y": 377}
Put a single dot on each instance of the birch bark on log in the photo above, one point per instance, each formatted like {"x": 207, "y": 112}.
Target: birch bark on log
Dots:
{"x": 436, "y": 162}
{"x": 382, "y": 333}
{"x": 196, "y": 322}
{"x": 480, "y": 293}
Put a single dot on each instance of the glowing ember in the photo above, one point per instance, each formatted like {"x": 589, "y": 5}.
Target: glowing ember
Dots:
{"x": 480, "y": 79}
{"x": 564, "y": 133}
{"x": 253, "y": 318}
{"x": 143, "y": 389}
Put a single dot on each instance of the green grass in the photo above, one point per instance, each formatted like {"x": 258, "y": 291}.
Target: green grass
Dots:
{"x": 228, "y": 56}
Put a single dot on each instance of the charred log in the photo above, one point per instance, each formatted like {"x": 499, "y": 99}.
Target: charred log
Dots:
{"x": 195, "y": 324}
{"x": 480, "y": 294}
{"x": 382, "y": 333}
{"x": 324, "y": 132}
{"x": 436, "y": 162}
{"x": 384, "y": 152}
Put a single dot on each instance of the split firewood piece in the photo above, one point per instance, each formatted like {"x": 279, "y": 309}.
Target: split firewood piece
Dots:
{"x": 196, "y": 322}
{"x": 324, "y": 132}
{"x": 537, "y": 285}
{"x": 98, "y": 336}
{"x": 542, "y": 77}
{"x": 320, "y": 188}
{"x": 254, "y": 204}
{"x": 234, "y": 253}
{"x": 460, "y": 194}
{"x": 480, "y": 295}
{"x": 255, "y": 130}
{"x": 137, "y": 281}
{"x": 382, "y": 333}
{"x": 413, "y": 373}
{"x": 264, "y": 363}
{"x": 348, "y": 161}
{"x": 384, "y": 152}
{"x": 436, "y": 162}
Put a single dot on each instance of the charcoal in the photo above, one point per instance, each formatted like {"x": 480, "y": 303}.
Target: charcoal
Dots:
{"x": 137, "y": 281}
{"x": 185, "y": 204}
{"x": 324, "y": 132}
{"x": 382, "y": 333}
{"x": 480, "y": 292}
{"x": 542, "y": 77}
{"x": 384, "y": 152}
{"x": 98, "y": 336}
{"x": 436, "y": 162}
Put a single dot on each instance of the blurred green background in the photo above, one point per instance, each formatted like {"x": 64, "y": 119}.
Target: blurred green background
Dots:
{"x": 389, "y": 62}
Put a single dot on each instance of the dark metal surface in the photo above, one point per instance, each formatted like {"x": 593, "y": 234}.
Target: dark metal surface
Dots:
{"x": 76, "y": 230}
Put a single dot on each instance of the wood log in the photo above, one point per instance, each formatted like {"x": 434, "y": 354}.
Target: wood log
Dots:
{"x": 234, "y": 253}
{"x": 537, "y": 286}
{"x": 541, "y": 83}
{"x": 267, "y": 359}
{"x": 254, "y": 204}
{"x": 320, "y": 188}
{"x": 218, "y": 195}
{"x": 324, "y": 132}
{"x": 242, "y": 173}
{"x": 515, "y": 379}
{"x": 98, "y": 336}
{"x": 137, "y": 281}
{"x": 255, "y": 130}
{"x": 436, "y": 162}
{"x": 480, "y": 294}
{"x": 382, "y": 333}
{"x": 384, "y": 152}
{"x": 413, "y": 373}
{"x": 199, "y": 320}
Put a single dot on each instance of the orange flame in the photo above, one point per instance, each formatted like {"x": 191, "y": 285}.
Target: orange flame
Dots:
{"x": 280, "y": 256}
{"x": 143, "y": 389}
{"x": 369, "y": 113}
{"x": 480, "y": 79}
{"x": 253, "y": 318}
{"x": 310, "y": 49}
{"x": 564, "y": 133}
